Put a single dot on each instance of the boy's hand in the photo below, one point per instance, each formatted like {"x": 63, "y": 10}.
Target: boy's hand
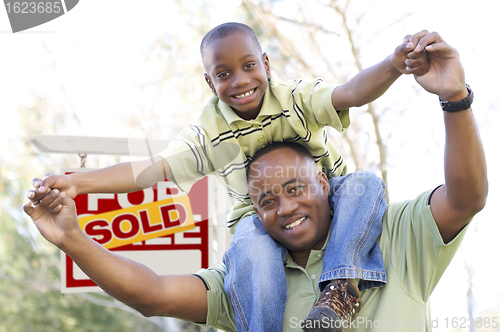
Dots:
{"x": 43, "y": 187}
{"x": 55, "y": 216}
{"x": 419, "y": 60}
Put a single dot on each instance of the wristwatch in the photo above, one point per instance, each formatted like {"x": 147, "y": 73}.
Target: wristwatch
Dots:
{"x": 456, "y": 106}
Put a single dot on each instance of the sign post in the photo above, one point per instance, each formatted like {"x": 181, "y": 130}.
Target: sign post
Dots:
{"x": 159, "y": 227}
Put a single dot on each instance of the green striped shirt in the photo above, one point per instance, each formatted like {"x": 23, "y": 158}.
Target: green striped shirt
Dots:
{"x": 222, "y": 144}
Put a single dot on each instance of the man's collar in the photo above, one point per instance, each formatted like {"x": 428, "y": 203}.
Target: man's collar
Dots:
{"x": 312, "y": 255}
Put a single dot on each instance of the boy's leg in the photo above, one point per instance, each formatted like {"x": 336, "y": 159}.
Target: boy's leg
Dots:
{"x": 255, "y": 277}
{"x": 358, "y": 204}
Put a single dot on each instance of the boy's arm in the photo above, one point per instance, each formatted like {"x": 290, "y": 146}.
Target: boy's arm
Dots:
{"x": 132, "y": 283}
{"x": 372, "y": 82}
{"x": 120, "y": 178}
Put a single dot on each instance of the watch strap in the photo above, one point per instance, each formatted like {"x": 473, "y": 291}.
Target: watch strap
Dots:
{"x": 456, "y": 106}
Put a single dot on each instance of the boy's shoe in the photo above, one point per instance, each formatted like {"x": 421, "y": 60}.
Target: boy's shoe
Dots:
{"x": 337, "y": 306}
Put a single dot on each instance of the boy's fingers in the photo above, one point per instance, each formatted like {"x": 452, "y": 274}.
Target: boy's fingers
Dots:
{"x": 47, "y": 182}
{"x": 36, "y": 182}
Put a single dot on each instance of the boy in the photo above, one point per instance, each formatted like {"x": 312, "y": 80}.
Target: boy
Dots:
{"x": 250, "y": 109}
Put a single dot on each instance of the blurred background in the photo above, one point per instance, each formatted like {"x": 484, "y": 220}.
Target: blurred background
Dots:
{"x": 132, "y": 69}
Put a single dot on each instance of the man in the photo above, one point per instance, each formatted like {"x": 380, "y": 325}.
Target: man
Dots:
{"x": 418, "y": 240}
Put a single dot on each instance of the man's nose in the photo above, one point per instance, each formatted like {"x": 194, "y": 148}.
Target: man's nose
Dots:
{"x": 287, "y": 206}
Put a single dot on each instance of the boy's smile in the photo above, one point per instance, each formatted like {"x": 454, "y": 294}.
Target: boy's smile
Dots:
{"x": 237, "y": 72}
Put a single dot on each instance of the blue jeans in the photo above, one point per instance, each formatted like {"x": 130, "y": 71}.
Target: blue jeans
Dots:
{"x": 255, "y": 278}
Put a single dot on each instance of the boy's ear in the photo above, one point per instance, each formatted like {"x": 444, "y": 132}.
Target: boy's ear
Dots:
{"x": 210, "y": 84}
{"x": 267, "y": 65}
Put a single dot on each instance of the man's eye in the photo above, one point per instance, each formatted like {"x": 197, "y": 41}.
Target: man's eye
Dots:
{"x": 296, "y": 189}
{"x": 267, "y": 202}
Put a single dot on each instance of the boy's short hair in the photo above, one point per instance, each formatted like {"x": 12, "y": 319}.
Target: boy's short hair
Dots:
{"x": 298, "y": 148}
{"x": 225, "y": 30}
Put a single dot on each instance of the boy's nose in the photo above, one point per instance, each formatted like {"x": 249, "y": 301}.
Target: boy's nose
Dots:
{"x": 240, "y": 80}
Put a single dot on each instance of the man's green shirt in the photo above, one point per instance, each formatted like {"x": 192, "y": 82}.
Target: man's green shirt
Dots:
{"x": 415, "y": 258}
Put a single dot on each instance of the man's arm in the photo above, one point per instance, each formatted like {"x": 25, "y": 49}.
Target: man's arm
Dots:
{"x": 372, "y": 82}
{"x": 466, "y": 186}
{"x": 120, "y": 178}
{"x": 132, "y": 283}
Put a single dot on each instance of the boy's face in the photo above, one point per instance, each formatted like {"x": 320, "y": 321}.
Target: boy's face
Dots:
{"x": 290, "y": 197}
{"x": 237, "y": 73}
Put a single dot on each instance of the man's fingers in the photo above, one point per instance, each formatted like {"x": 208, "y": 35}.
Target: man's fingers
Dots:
{"x": 29, "y": 209}
{"x": 57, "y": 209}
{"x": 441, "y": 46}
{"x": 428, "y": 39}
{"x": 55, "y": 202}
{"x": 417, "y": 37}
{"x": 50, "y": 196}
{"x": 66, "y": 201}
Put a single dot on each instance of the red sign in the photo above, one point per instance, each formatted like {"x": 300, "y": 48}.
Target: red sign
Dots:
{"x": 146, "y": 216}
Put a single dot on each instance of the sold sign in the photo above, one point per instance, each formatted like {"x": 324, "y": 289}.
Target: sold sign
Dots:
{"x": 139, "y": 222}
{"x": 159, "y": 227}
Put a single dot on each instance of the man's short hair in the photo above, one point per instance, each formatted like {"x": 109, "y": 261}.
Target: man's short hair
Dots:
{"x": 225, "y": 30}
{"x": 300, "y": 149}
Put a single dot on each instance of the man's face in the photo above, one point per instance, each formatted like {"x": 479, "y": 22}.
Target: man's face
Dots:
{"x": 291, "y": 198}
{"x": 237, "y": 72}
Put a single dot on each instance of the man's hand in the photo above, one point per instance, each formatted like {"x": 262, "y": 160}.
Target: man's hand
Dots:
{"x": 54, "y": 216}
{"x": 420, "y": 62}
{"x": 49, "y": 182}
{"x": 445, "y": 76}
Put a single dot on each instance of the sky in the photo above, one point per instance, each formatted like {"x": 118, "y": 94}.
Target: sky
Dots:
{"x": 100, "y": 47}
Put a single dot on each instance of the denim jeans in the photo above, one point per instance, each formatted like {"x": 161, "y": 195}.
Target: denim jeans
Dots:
{"x": 255, "y": 278}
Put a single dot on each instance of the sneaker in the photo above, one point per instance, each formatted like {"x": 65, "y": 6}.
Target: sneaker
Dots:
{"x": 337, "y": 306}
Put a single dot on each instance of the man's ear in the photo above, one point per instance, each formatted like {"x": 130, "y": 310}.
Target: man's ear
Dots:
{"x": 323, "y": 181}
{"x": 210, "y": 84}
{"x": 267, "y": 65}
{"x": 257, "y": 211}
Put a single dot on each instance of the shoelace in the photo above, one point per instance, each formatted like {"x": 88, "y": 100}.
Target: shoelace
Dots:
{"x": 338, "y": 298}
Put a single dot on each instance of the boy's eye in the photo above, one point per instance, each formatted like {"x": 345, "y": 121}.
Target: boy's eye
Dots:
{"x": 249, "y": 65}
{"x": 222, "y": 75}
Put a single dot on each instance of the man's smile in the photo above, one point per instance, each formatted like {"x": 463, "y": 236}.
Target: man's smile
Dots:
{"x": 295, "y": 224}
